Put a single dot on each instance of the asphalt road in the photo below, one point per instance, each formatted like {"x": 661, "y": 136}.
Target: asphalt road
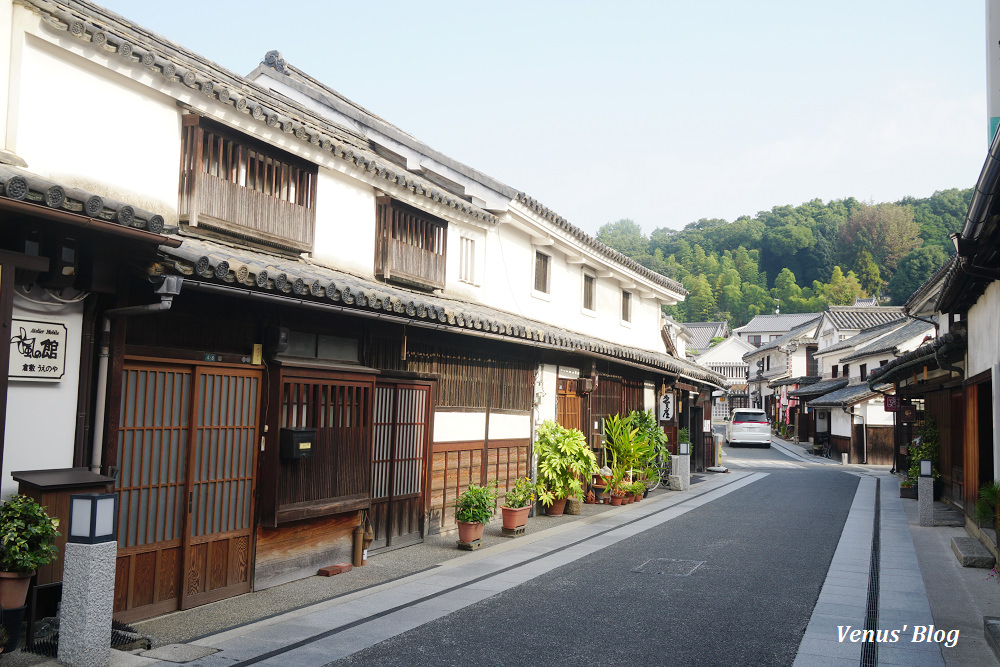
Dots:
{"x": 731, "y": 582}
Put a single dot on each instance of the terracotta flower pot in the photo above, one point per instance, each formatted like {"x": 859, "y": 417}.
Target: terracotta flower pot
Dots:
{"x": 13, "y": 589}
{"x": 514, "y": 517}
{"x": 617, "y": 500}
{"x": 557, "y": 507}
{"x": 470, "y": 532}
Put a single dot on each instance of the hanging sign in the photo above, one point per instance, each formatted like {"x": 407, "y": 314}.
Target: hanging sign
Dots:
{"x": 907, "y": 413}
{"x": 37, "y": 351}
{"x": 666, "y": 412}
{"x": 891, "y": 403}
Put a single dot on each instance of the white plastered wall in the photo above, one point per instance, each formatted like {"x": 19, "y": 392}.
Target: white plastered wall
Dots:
{"x": 545, "y": 393}
{"x": 984, "y": 343}
{"x": 103, "y": 132}
{"x": 840, "y": 423}
{"x": 345, "y": 224}
{"x": 41, "y": 416}
{"x": 509, "y": 280}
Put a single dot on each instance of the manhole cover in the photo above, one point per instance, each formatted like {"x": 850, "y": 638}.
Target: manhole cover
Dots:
{"x": 669, "y": 566}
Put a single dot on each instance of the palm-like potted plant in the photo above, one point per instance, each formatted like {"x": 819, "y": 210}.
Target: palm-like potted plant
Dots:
{"x": 517, "y": 503}
{"x": 473, "y": 510}
{"x": 564, "y": 461}
{"x": 27, "y": 541}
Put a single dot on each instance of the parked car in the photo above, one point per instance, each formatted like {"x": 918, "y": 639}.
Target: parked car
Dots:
{"x": 748, "y": 427}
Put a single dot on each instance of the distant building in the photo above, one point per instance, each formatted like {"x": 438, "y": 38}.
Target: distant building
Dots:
{"x": 702, "y": 334}
{"x": 763, "y": 329}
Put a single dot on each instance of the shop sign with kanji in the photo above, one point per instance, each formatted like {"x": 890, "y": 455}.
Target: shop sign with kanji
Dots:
{"x": 37, "y": 351}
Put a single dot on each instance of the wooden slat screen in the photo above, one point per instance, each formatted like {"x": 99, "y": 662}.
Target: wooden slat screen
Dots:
{"x": 409, "y": 244}
{"x": 225, "y": 442}
{"x": 245, "y": 187}
{"x": 152, "y": 454}
{"x": 341, "y": 411}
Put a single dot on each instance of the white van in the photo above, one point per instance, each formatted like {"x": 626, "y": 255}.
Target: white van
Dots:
{"x": 748, "y": 426}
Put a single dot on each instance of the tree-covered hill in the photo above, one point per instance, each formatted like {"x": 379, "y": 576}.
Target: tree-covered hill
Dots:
{"x": 806, "y": 257}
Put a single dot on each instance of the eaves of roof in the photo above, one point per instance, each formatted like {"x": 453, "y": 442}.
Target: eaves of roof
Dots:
{"x": 802, "y": 380}
{"x": 930, "y": 290}
{"x": 782, "y": 322}
{"x": 862, "y": 336}
{"x": 892, "y": 341}
{"x": 851, "y": 317}
{"x": 849, "y": 395}
{"x": 32, "y": 195}
{"x": 231, "y": 270}
{"x": 819, "y": 388}
{"x": 949, "y": 344}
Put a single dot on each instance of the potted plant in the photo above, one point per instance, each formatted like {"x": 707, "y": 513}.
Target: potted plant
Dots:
{"x": 988, "y": 507}
{"x": 473, "y": 510}
{"x": 564, "y": 459}
{"x": 517, "y": 503}
{"x": 657, "y": 454}
{"x": 906, "y": 489}
{"x": 27, "y": 541}
{"x": 925, "y": 446}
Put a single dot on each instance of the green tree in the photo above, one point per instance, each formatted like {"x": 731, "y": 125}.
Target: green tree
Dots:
{"x": 887, "y": 231}
{"x": 868, "y": 273}
{"x": 841, "y": 290}
{"x": 700, "y": 300}
{"x": 914, "y": 270}
{"x": 626, "y": 237}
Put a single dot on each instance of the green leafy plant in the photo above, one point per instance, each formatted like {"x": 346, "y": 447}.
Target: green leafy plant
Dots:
{"x": 658, "y": 454}
{"x": 520, "y": 494}
{"x": 988, "y": 507}
{"x": 926, "y": 446}
{"x": 636, "y": 488}
{"x": 564, "y": 460}
{"x": 477, "y": 504}
{"x": 684, "y": 435}
{"x": 27, "y": 535}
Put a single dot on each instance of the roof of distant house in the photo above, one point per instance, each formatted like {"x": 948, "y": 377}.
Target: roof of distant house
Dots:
{"x": 852, "y": 317}
{"x": 702, "y": 334}
{"x": 906, "y": 331}
{"x": 775, "y": 323}
{"x": 804, "y": 333}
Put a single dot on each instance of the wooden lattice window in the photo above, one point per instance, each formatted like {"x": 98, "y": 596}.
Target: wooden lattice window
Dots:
{"x": 242, "y": 187}
{"x": 542, "y": 262}
{"x": 410, "y": 245}
{"x": 589, "y": 291}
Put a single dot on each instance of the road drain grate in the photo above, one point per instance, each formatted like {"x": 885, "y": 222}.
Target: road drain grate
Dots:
{"x": 869, "y": 650}
{"x": 669, "y": 566}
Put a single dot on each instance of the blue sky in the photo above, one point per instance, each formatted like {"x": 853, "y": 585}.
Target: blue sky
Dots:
{"x": 662, "y": 112}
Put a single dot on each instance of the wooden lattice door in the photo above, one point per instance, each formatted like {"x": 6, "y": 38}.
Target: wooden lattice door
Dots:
{"x": 399, "y": 456}
{"x": 186, "y": 454}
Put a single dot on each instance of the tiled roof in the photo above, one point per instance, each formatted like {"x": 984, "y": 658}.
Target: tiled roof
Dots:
{"x": 863, "y": 336}
{"x": 802, "y": 380}
{"x": 85, "y": 209}
{"x": 117, "y": 37}
{"x": 849, "y": 317}
{"x": 931, "y": 287}
{"x": 702, "y": 333}
{"x": 819, "y": 388}
{"x": 803, "y": 333}
{"x": 310, "y": 284}
{"x": 891, "y": 342}
{"x": 892, "y": 371}
{"x": 849, "y": 395}
{"x": 775, "y": 323}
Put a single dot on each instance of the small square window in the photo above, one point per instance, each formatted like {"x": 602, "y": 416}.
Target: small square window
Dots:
{"x": 589, "y": 289}
{"x": 541, "y": 272}
{"x": 754, "y": 340}
{"x": 626, "y": 306}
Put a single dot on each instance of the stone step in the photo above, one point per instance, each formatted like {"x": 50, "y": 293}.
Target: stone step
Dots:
{"x": 971, "y": 553}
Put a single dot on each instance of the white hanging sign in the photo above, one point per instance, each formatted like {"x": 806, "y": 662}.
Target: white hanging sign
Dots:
{"x": 37, "y": 351}
{"x": 666, "y": 412}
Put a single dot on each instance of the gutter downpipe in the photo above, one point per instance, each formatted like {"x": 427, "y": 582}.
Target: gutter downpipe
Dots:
{"x": 167, "y": 291}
